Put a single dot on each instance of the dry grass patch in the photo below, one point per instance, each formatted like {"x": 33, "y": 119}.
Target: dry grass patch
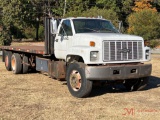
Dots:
{"x": 36, "y": 96}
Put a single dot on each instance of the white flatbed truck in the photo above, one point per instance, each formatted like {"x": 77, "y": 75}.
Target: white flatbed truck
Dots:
{"x": 81, "y": 51}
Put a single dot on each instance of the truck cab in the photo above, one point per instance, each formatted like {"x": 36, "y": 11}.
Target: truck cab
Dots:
{"x": 95, "y": 50}
{"x": 97, "y": 41}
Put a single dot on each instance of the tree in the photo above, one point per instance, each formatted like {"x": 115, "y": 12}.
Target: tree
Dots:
{"x": 108, "y": 4}
{"x": 5, "y": 37}
{"x": 76, "y": 7}
{"x": 107, "y": 14}
{"x": 58, "y": 8}
{"x": 27, "y": 15}
{"x": 145, "y": 23}
{"x": 156, "y": 4}
{"x": 20, "y": 15}
{"x": 125, "y": 7}
{"x": 14, "y": 16}
{"x": 143, "y": 4}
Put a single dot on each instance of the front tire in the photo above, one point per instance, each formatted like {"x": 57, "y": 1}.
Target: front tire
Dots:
{"x": 77, "y": 83}
{"x": 136, "y": 84}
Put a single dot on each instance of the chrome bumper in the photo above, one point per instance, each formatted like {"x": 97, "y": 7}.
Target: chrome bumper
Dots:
{"x": 118, "y": 72}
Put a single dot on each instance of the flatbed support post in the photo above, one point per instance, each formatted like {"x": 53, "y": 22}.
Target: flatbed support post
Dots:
{"x": 47, "y": 36}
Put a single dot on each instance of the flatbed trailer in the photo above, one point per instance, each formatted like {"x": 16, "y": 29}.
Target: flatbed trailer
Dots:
{"x": 26, "y": 49}
{"x": 23, "y": 58}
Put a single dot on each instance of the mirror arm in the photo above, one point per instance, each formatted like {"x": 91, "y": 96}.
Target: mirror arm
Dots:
{"x": 120, "y": 26}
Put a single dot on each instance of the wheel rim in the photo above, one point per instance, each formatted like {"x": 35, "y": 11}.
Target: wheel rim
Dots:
{"x": 6, "y": 61}
{"x": 13, "y": 64}
{"x": 75, "y": 80}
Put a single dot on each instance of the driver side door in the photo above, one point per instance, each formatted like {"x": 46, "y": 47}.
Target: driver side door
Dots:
{"x": 62, "y": 38}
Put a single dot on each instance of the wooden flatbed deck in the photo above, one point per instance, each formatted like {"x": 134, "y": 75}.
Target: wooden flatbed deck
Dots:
{"x": 26, "y": 49}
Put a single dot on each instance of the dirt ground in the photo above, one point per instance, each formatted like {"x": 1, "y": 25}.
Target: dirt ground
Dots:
{"x": 36, "y": 96}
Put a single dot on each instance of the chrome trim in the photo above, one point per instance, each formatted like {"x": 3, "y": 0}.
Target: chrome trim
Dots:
{"x": 122, "y": 50}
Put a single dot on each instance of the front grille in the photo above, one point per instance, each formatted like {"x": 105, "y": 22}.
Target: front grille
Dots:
{"x": 122, "y": 50}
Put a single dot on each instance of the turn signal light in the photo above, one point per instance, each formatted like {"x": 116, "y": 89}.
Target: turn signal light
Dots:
{"x": 92, "y": 44}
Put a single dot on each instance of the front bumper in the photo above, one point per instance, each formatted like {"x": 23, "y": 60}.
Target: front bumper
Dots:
{"x": 118, "y": 72}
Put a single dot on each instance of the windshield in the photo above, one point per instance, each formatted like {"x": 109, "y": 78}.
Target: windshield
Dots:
{"x": 93, "y": 25}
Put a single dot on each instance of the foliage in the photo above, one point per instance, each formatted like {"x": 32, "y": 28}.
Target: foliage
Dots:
{"x": 24, "y": 18}
{"x": 29, "y": 33}
{"x": 26, "y": 13}
{"x": 143, "y": 4}
{"x": 125, "y": 7}
{"x": 5, "y": 37}
{"x": 57, "y": 8}
{"x": 108, "y": 4}
{"x": 107, "y": 14}
{"x": 16, "y": 32}
{"x": 76, "y": 7}
{"x": 41, "y": 32}
{"x": 145, "y": 23}
{"x": 154, "y": 43}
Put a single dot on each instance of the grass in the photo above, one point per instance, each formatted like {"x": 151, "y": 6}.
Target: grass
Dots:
{"x": 37, "y": 96}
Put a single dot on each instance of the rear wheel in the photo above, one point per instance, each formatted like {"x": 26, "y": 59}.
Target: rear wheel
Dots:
{"x": 3, "y": 55}
{"x": 77, "y": 83}
{"x": 16, "y": 63}
{"x": 7, "y": 60}
{"x": 25, "y": 65}
{"x": 136, "y": 84}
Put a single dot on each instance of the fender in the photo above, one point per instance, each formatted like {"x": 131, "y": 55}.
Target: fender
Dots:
{"x": 82, "y": 51}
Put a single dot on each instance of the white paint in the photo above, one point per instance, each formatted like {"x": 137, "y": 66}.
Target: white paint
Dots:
{"x": 79, "y": 44}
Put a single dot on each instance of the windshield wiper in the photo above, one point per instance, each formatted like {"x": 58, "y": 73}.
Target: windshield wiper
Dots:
{"x": 89, "y": 29}
{"x": 107, "y": 29}
{"x": 98, "y": 31}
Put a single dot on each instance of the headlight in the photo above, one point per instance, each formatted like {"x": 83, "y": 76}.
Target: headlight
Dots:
{"x": 147, "y": 53}
{"x": 94, "y": 55}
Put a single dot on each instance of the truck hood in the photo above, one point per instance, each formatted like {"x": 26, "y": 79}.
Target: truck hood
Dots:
{"x": 107, "y": 36}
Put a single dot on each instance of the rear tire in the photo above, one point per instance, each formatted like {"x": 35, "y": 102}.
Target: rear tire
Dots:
{"x": 77, "y": 83}
{"x": 3, "y": 55}
{"x": 7, "y": 59}
{"x": 25, "y": 65}
{"x": 136, "y": 84}
{"x": 16, "y": 63}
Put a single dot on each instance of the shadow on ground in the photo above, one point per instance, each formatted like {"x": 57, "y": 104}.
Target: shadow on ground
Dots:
{"x": 100, "y": 90}
{"x": 154, "y": 82}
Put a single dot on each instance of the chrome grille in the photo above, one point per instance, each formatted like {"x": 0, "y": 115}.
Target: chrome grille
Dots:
{"x": 122, "y": 50}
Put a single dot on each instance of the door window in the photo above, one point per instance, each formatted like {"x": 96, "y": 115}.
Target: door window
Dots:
{"x": 66, "y": 29}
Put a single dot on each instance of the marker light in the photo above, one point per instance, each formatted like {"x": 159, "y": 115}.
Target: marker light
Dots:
{"x": 92, "y": 43}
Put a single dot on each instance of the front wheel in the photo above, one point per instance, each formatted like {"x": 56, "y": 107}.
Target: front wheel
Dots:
{"x": 136, "y": 84}
{"x": 77, "y": 83}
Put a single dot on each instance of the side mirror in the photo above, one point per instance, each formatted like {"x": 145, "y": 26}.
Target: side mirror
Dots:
{"x": 53, "y": 26}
